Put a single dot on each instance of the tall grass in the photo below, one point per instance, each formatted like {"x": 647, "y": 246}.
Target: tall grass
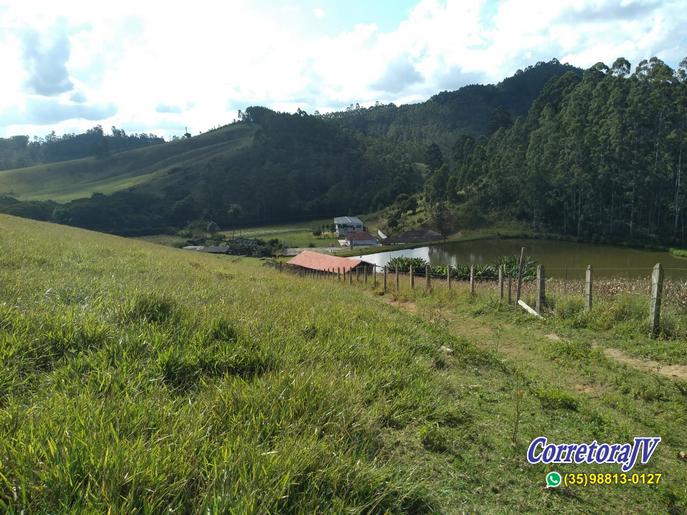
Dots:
{"x": 143, "y": 379}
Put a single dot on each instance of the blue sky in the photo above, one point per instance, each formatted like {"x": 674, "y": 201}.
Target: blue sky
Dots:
{"x": 159, "y": 67}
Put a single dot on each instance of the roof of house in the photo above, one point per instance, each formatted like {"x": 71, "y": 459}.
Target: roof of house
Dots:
{"x": 360, "y": 236}
{"x": 317, "y": 261}
{"x": 348, "y": 220}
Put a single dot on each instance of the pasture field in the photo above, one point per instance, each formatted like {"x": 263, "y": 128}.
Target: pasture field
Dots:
{"x": 139, "y": 378}
{"x": 68, "y": 180}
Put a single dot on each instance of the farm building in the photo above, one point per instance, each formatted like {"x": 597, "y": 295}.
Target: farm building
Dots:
{"x": 310, "y": 260}
{"x": 345, "y": 224}
{"x": 360, "y": 239}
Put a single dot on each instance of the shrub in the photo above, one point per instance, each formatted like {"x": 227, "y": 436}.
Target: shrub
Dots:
{"x": 556, "y": 399}
{"x": 483, "y": 272}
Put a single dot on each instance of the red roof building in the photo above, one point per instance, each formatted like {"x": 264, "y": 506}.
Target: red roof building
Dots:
{"x": 316, "y": 261}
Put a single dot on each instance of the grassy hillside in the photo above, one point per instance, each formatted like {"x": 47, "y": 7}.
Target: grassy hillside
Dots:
{"x": 140, "y": 378}
{"x": 80, "y": 178}
{"x": 269, "y": 168}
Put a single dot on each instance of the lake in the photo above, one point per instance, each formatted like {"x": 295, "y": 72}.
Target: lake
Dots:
{"x": 560, "y": 258}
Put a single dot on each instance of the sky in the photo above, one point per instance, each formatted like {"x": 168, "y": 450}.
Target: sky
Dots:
{"x": 162, "y": 67}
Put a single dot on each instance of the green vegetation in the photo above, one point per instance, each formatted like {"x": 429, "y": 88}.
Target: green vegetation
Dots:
{"x": 21, "y": 152}
{"x": 143, "y": 378}
{"x": 598, "y": 157}
{"x": 293, "y": 235}
{"x": 69, "y": 180}
{"x": 475, "y": 109}
{"x": 266, "y": 168}
{"x": 679, "y": 253}
{"x": 595, "y": 156}
{"x": 483, "y": 271}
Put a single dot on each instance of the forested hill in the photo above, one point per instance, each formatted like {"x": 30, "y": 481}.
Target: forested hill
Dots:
{"x": 270, "y": 167}
{"x": 474, "y": 110}
{"x": 600, "y": 156}
{"x": 597, "y": 155}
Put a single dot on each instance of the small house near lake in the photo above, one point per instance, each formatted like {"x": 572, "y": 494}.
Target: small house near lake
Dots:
{"x": 345, "y": 224}
{"x": 309, "y": 260}
{"x": 360, "y": 239}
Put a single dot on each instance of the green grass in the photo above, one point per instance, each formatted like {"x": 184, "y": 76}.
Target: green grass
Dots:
{"x": 297, "y": 234}
{"x": 140, "y": 378}
{"x": 69, "y": 180}
{"x": 169, "y": 240}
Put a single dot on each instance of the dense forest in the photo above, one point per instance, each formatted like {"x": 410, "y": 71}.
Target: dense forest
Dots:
{"x": 597, "y": 157}
{"x": 474, "y": 110}
{"x": 21, "y": 151}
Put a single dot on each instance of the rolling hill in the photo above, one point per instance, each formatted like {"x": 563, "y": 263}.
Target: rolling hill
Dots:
{"x": 138, "y": 378}
{"x": 270, "y": 167}
{"x": 68, "y": 180}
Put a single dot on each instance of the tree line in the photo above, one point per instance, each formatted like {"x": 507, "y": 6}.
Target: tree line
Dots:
{"x": 598, "y": 156}
{"x": 22, "y": 151}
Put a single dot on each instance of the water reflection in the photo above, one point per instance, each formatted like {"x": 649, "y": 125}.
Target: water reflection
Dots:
{"x": 561, "y": 259}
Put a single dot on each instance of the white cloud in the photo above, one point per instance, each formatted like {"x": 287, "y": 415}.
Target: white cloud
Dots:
{"x": 153, "y": 67}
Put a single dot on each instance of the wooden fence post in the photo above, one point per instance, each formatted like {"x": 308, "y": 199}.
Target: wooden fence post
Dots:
{"x": 412, "y": 278}
{"x": 510, "y": 289}
{"x": 338, "y": 273}
{"x": 656, "y": 294}
{"x": 588, "y": 288}
{"x": 541, "y": 293}
{"x": 519, "y": 290}
{"x": 365, "y": 273}
{"x": 472, "y": 279}
{"x": 428, "y": 277}
{"x": 397, "y": 283}
{"x": 357, "y": 274}
{"x": 500, "y": 282}
{"x": 374, "y": 275}
{"x": 384, "y": 278}
{"x": 350, "y": 276}
{"x": 448, "y": 276}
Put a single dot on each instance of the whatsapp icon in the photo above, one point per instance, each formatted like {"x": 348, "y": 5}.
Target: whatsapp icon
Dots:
{"x": 553, "y": 480}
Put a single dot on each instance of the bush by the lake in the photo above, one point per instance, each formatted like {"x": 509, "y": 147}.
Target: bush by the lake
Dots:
{"x": 483, "y": 272}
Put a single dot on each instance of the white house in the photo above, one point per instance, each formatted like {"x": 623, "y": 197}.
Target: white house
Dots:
{"x": 346, "y": 224}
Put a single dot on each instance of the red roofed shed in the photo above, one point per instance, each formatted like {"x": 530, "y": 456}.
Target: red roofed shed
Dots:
{"x": 317, "y": 261}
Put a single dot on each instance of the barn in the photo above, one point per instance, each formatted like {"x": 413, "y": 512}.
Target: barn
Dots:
{"x": 309, "y": 260}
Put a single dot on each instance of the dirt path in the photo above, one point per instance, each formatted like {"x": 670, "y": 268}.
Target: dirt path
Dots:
{"x": 647, "y": 365}
{"x": 677, "y": 372}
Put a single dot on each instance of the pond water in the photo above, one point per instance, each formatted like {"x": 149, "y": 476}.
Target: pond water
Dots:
{"x": 561, "y": 259}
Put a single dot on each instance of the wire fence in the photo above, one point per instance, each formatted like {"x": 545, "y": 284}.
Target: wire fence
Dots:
{"x": 671, "y": 293}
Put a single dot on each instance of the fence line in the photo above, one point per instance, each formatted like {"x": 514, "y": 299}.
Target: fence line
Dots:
{"x": 338, "y": 274}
